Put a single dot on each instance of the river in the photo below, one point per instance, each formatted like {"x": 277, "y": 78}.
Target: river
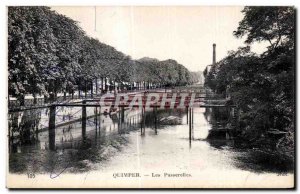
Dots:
{"x": 115, "y": 148}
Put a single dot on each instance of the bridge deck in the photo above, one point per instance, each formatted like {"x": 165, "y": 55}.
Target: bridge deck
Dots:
{"x": 133, "y": 100}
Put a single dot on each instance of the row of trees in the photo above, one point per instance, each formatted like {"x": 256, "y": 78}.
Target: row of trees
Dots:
{"x": 49, "y": 53}
{"x": 262, "y": 86}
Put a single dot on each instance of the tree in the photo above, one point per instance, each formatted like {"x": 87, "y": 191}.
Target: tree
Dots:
{"x": 32, "y": 48}
{"x": 49, "y": 53}
{"x": 262, "y": 86}
{"x": 70, "y": 50}
{"x": 273, "y": 24}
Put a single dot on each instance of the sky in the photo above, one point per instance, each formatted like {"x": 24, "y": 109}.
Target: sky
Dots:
{"x": 185, "y": 34}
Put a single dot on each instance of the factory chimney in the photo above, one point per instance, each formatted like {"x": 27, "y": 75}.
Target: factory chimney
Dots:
{"x": 214, "y": 54}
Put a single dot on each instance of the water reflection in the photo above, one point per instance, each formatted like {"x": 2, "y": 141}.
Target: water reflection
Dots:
{"x": 165, "y": 134}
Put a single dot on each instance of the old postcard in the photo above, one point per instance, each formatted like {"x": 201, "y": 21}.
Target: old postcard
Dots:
{"x": 151, "y": 97}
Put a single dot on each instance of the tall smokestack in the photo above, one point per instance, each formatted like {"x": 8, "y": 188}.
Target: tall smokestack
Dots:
{"x": 214, "y": 54}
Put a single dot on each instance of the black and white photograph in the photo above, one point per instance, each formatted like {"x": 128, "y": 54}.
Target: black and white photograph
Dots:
{"x": 151, "y": 97}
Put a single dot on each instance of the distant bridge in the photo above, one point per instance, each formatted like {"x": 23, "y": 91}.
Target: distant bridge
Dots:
{"x": 173, "y": 100}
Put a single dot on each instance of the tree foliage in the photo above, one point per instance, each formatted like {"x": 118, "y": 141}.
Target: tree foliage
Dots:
{"x": 262, "y": 86}
{"x": 273, "y": 24}
{"x": 49, "y": 53}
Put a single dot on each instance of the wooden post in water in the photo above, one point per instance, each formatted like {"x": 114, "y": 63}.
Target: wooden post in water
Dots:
{"x": 153, "y": 115}
{"x": 83, "y": 119}
{"x": 99, "y": 119}
{"x": 155, "y": 120}
{"x": 119, "y": 119}
{"x": 192, "y": 118}
{"x": 123, "y": 114}
{"x": 96, "y": 124}
{"x": 190, "y": 126}
{"x": 142, "y": 122}
{"x": 187, "y": 115}
{"x": 193, "y": 123}
{"x": 96, "y": 119}
{"x": 52, "y": 127}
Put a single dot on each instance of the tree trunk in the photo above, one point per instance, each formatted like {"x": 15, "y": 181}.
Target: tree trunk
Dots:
{"x": 102, "y": 80}
{"x": 110, "y": 86}
{"x": 8, "y": 100}
{"x": 22, "y": 100}
{"x": 55, "y": 91}
{"x": 85, "y": 90}
{"x": 92, "y": 89}
{"x": 96, "y": 87}
{"x": 115, "y": 87}
{"x": 34, "y": 98}
{"x": 55, "y": 95}
{"x": 45, "y": 99}
{"x": 79, "y": 88}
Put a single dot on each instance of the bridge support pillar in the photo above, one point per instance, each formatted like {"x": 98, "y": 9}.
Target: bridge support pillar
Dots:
{"x": 119, "y": 120}
{"x": 142, "y": 116}
{"x": 83, "y": 120}
{"x": 192, "y": 118}
{"x": 187, "y": 115}
{"x": 99, "y": 119}
{"x": 96, "y": 118}
{"x": 190, "y": 125}
{"x": 122, "y": 114}
{"x": 52, "y": 127}
{"x": 193, "y": 123}
{"x": 155, "y": 119}
{"x": 144, "y": 120}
